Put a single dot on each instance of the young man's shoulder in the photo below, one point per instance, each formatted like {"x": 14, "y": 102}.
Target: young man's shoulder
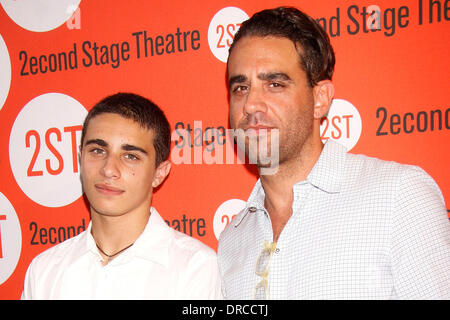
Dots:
{"x": 190, "y": 245}
{"x": 56, "y": 255}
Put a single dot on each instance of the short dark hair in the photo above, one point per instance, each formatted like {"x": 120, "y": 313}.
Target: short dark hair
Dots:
{"x": 316, "y": 53}
{"x": 141, "y": 110}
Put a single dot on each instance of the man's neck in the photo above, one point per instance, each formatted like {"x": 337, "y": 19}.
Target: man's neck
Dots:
{"x": 114, "y": 233}
{"x": 278, "y": 187}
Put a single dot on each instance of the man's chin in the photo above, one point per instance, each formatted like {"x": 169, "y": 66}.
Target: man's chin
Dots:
{"x": 267, "y": 169}
{"x": 106, "y": 211}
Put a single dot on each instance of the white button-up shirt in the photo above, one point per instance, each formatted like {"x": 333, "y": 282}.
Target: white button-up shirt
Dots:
{"x": 361, "y": 228}
{"x": 162, "y": 264}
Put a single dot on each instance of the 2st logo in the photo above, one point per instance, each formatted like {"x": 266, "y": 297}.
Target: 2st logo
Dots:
{"x": 222, "y": 29}
{"x": 43, "y": 149}
{"x": 10, "y": 239}
{"x": 225, "y": 213}
{"x": 336, "y": 127}
{"x": 343, "y": 124}
{"x": 226, "y": 219}
{"x": 33, "y": 134}
{"x": 225, "y": 40}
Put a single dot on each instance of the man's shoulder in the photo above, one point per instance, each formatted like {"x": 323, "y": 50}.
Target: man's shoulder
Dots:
{"x": 57, "y": 254}
{"x": 373, "y": 162}
{"x": 372, "y": 166}
{"x": 190, "y": 246}
{"x": 399, "y": 180}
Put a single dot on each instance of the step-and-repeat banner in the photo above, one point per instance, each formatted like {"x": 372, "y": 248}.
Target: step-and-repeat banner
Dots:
{"x": 59, "y": 57}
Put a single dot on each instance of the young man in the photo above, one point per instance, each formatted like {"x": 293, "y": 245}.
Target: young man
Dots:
{"x": 328, "y": 224}
{"x": 128, "y": 251}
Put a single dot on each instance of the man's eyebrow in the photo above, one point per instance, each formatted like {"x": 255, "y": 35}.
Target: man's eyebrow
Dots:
{"x": 270, "y": 76}
{"x": 266, "y": 76}
{"x": 130, "y": 147}
{"x": 236, "y": 79}
{"x": 100, "y": 142}
{"x": 126, "y": 147}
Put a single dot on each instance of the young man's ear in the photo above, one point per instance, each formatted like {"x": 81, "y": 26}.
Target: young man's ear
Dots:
{"x": 323, "y": 96}
{"x": 161, "y": 172}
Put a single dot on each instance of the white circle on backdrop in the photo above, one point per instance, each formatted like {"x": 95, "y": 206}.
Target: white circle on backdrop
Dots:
{"x": 10, "y": 239}
{"x": 342, "y": 124}
{"x": 40, "y": 15}
{"x": 47, "y": 170}
{"x": 5, "y": 75}
{"x": 222, "y": 28}
{"x": 225, "y": 213}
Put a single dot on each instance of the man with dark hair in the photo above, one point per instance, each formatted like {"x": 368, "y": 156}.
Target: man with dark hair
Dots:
{"x": 127, "y": 251}
{"x": 327, "y": 224}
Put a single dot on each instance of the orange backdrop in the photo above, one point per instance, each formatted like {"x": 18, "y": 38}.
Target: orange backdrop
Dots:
{"x": 392, "y": 70}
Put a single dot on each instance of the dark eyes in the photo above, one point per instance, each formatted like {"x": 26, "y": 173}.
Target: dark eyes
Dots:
{"x": 239, "y": 88}
{"x": 244, "y": 88}
{"x": 97, "y": 151}
{"x": 131, "y": 156}
{"x": 276, "y": 85}
{"x": 100, "y": 153}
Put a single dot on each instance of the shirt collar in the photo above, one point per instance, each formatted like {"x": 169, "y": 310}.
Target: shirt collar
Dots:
{"x": 90, "y": 242}
{"x": 326, "y": 175}
{"x": 153, "y": 243}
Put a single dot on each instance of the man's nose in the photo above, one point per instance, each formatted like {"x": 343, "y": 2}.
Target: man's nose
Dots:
{"x": 111, "y": 167}
{"x": 255, "y": 102}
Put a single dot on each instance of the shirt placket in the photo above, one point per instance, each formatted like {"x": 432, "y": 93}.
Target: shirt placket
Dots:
{"x": 264, "y": 232}
{"x": 104, "y": 284}
{"x": 283, "y": 259}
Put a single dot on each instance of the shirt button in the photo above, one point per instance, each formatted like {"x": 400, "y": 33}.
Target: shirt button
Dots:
{"x": 252, "y": 209}
{"x": 277, "y": 250}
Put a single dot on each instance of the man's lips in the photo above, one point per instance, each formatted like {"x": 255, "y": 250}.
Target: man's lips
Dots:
{"x": 108, "y": 190}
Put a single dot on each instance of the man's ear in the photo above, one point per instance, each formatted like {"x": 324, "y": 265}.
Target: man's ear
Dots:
{"x": 161, "y": 172}
{"x": 323, "y": 96}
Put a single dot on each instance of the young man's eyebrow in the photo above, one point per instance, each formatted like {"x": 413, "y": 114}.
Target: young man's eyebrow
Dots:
{"x": 130, "y": 147}
{"x": 100, "y": 142}
{"x": 125, "y": 147}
